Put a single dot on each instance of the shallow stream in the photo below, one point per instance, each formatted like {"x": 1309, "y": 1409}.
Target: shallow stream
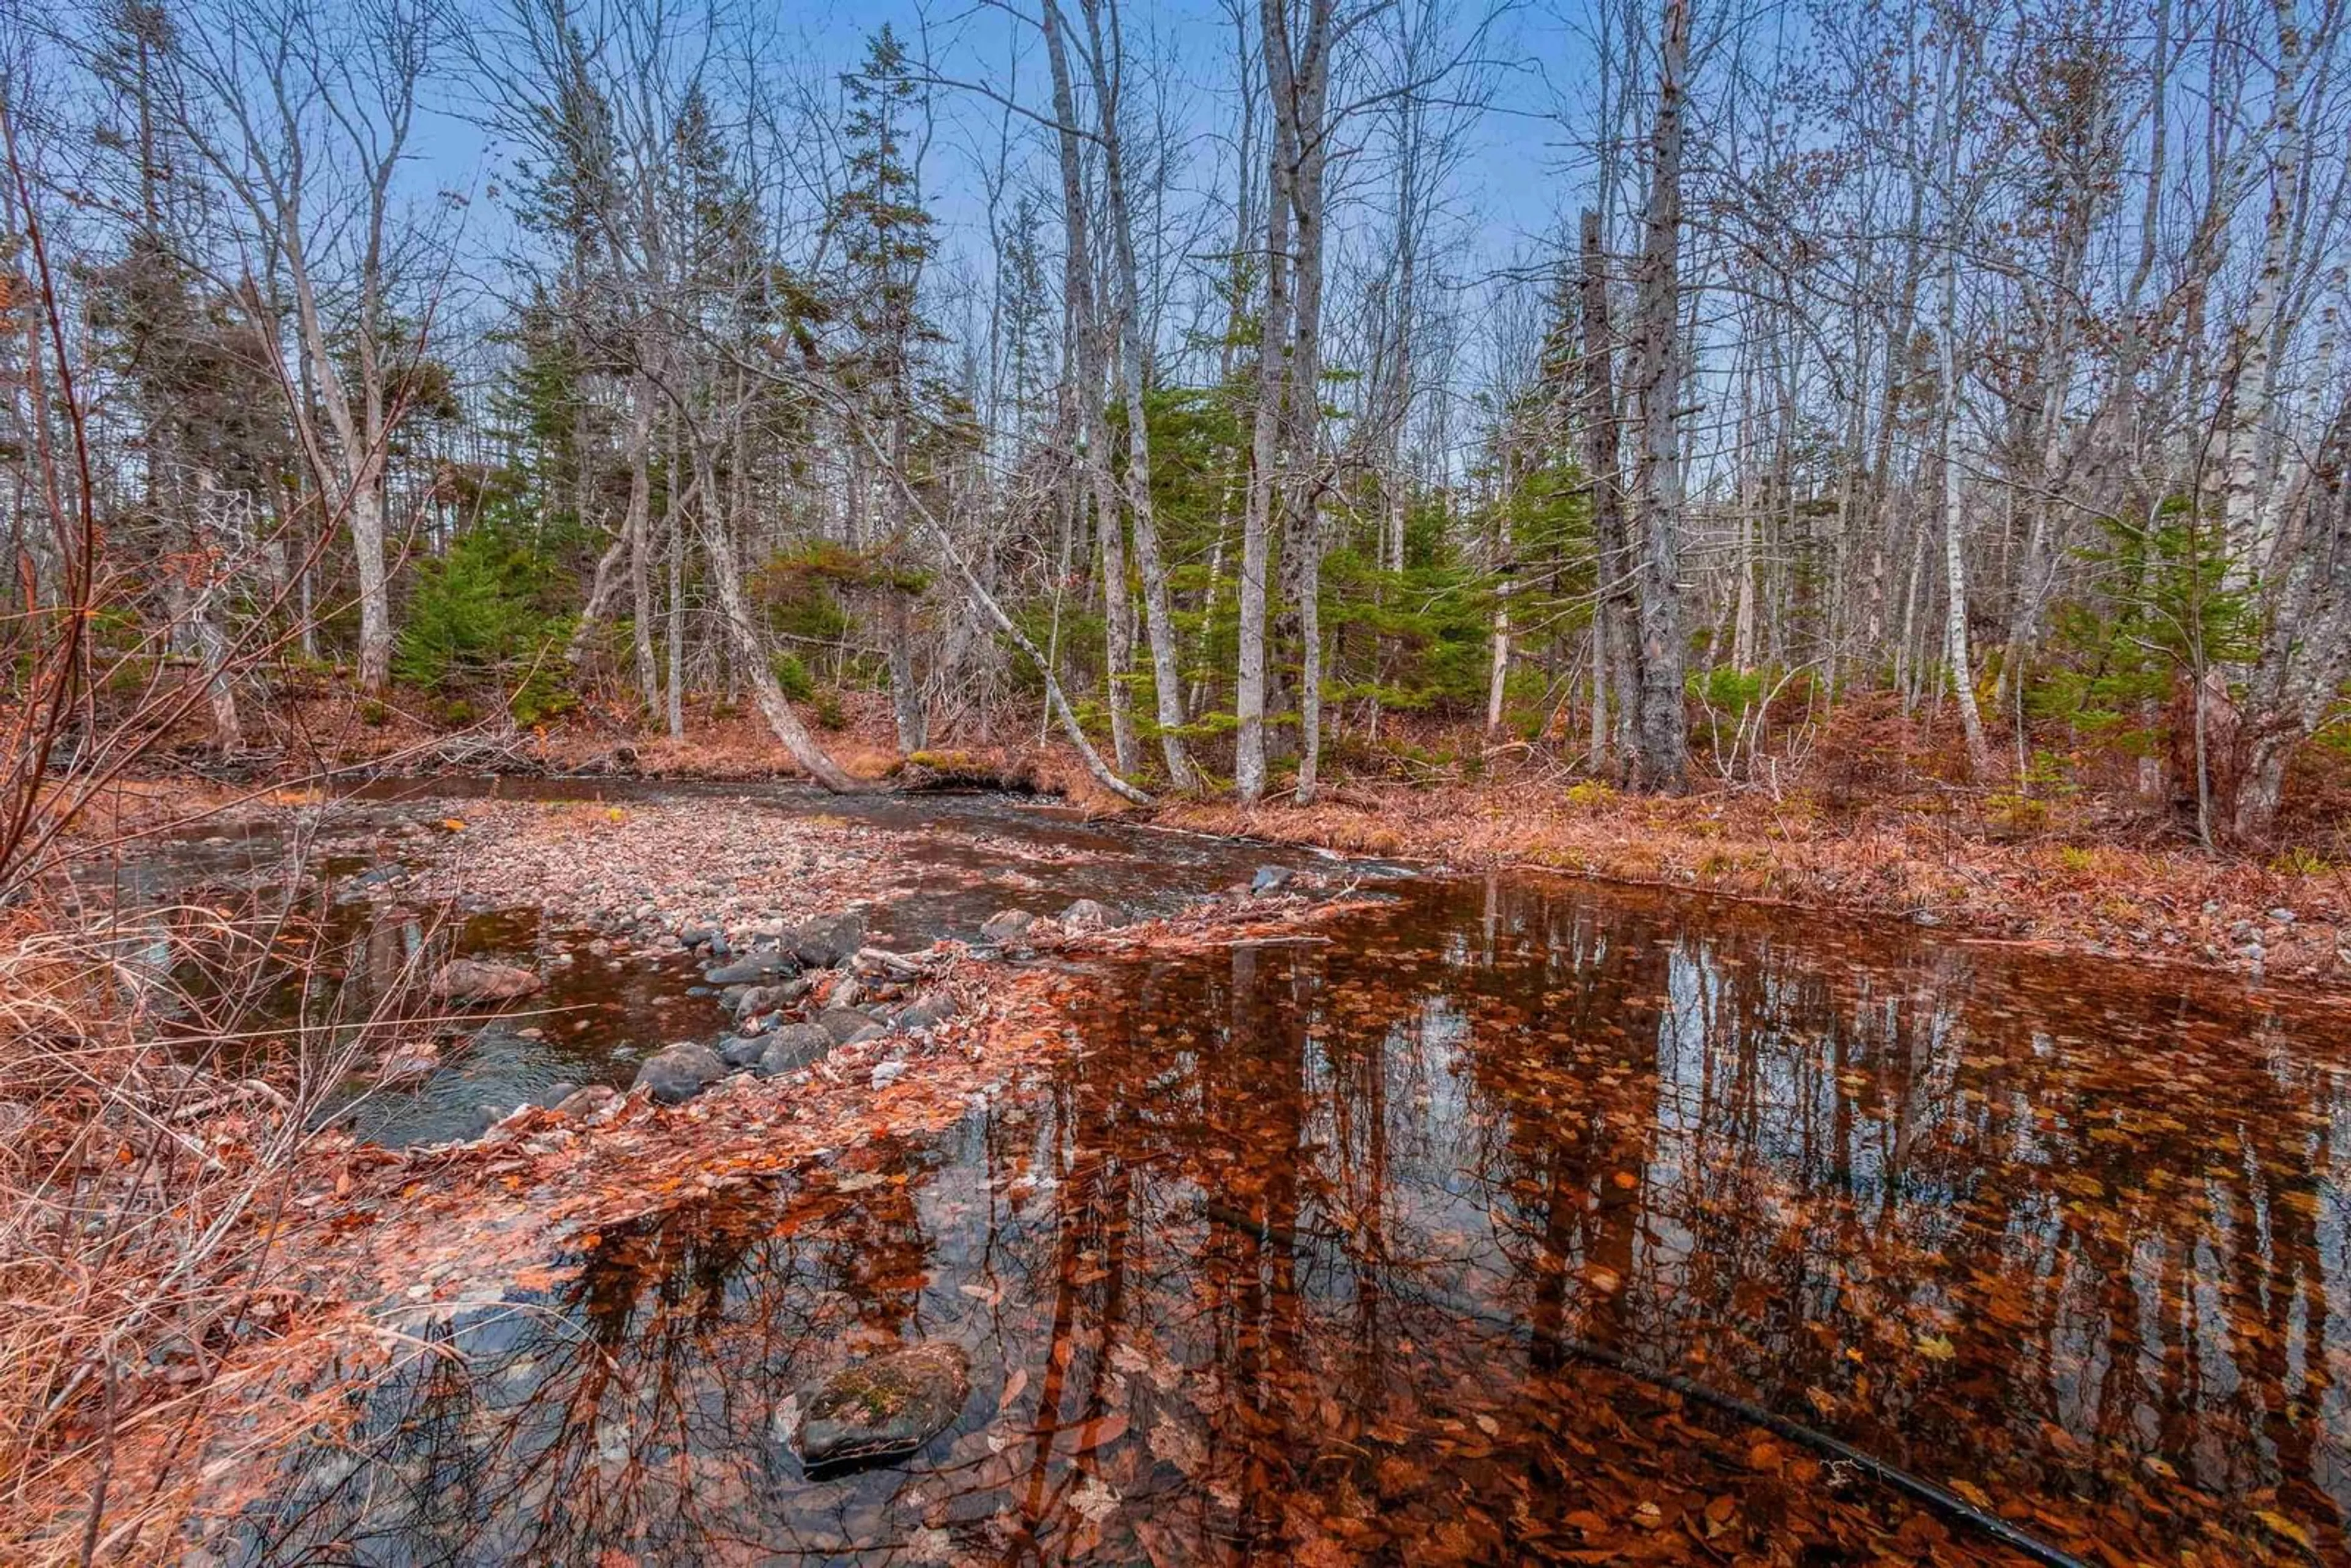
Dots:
{"x": 1293, "y": 1256}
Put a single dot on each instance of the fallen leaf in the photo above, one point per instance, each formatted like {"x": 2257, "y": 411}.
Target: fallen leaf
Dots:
{"x": 1178, "y": 1445}
{"x": 1094, "y": 1501}
{"x": 2281, "y": 1525}
{"x": 1107, "y": 1429}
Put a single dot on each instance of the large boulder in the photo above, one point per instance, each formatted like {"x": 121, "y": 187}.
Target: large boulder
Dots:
{"x": 792, "y": 1047}
{"x": 847, "y": 1026}
{"x": 830, "y": 939}
{"x": 678, "y": 1073}
{"x": 473, "y": 981}
{"x": 884, "y": 1406}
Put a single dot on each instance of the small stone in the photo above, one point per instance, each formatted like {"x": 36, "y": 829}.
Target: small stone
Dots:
{"x": 927, "y": 1011}
{"x": 792, "y": 1047}
{"x": 410, "y": 1065}
{"x": 2282, "y": 917}
{"x": 678, "y": 1073}
{"x": 743, "y": 1051}
{"x": 830, "y": 939}
{"x": 1091, "y": 914}
{"x": 888, "y": 1072}
{"x": 472, "y": 981}
{"x": 847, "y": 1026}
{"x": 1270, "y": 879}
{"x": 1005, "y": 926}
{"x": 764, "y": 966}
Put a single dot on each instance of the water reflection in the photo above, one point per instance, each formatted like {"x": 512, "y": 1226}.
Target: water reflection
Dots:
{"x": 287, "y": 959}
{"x": 1289, "y": 1261}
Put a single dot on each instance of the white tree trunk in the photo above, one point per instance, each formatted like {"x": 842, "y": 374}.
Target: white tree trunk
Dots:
{"x": 1664, "y": 727}
{"x": 2253, "y": 513}
{"x": 1955, "y": 576}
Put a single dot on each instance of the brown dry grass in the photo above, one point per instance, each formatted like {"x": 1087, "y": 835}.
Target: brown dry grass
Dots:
{"x": 143, "y": 1187}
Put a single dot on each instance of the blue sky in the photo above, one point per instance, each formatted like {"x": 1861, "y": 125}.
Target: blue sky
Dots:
{"x": 1501, "y": 206}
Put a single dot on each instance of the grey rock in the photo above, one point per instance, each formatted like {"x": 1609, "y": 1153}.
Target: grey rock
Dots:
{"x": 410, "y": 1064}
{"x": 1091, "y": 914}
{"x": 1006, "y": 925}
{"x": 678, "y": 1073}
{"x": 830, "y": 939}
{"x": 743, "y": 1051}
{"x": 847, "y": 1026}
{"x": 885, "y": 1073}
{"x": 926, "y": 1011}
{"x": 764, "y": 966}
{"x": 475, "y": 1122}
{"x": 587, "y": 1101}
{"x": 1270, "y": 879}
{"x": 472, "y": 981}
{"x": 883, "y": 1406}
{"x": 794, "y": 1045}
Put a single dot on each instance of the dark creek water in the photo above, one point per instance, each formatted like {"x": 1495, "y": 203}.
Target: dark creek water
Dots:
{"x": 1289, "y": 1259}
